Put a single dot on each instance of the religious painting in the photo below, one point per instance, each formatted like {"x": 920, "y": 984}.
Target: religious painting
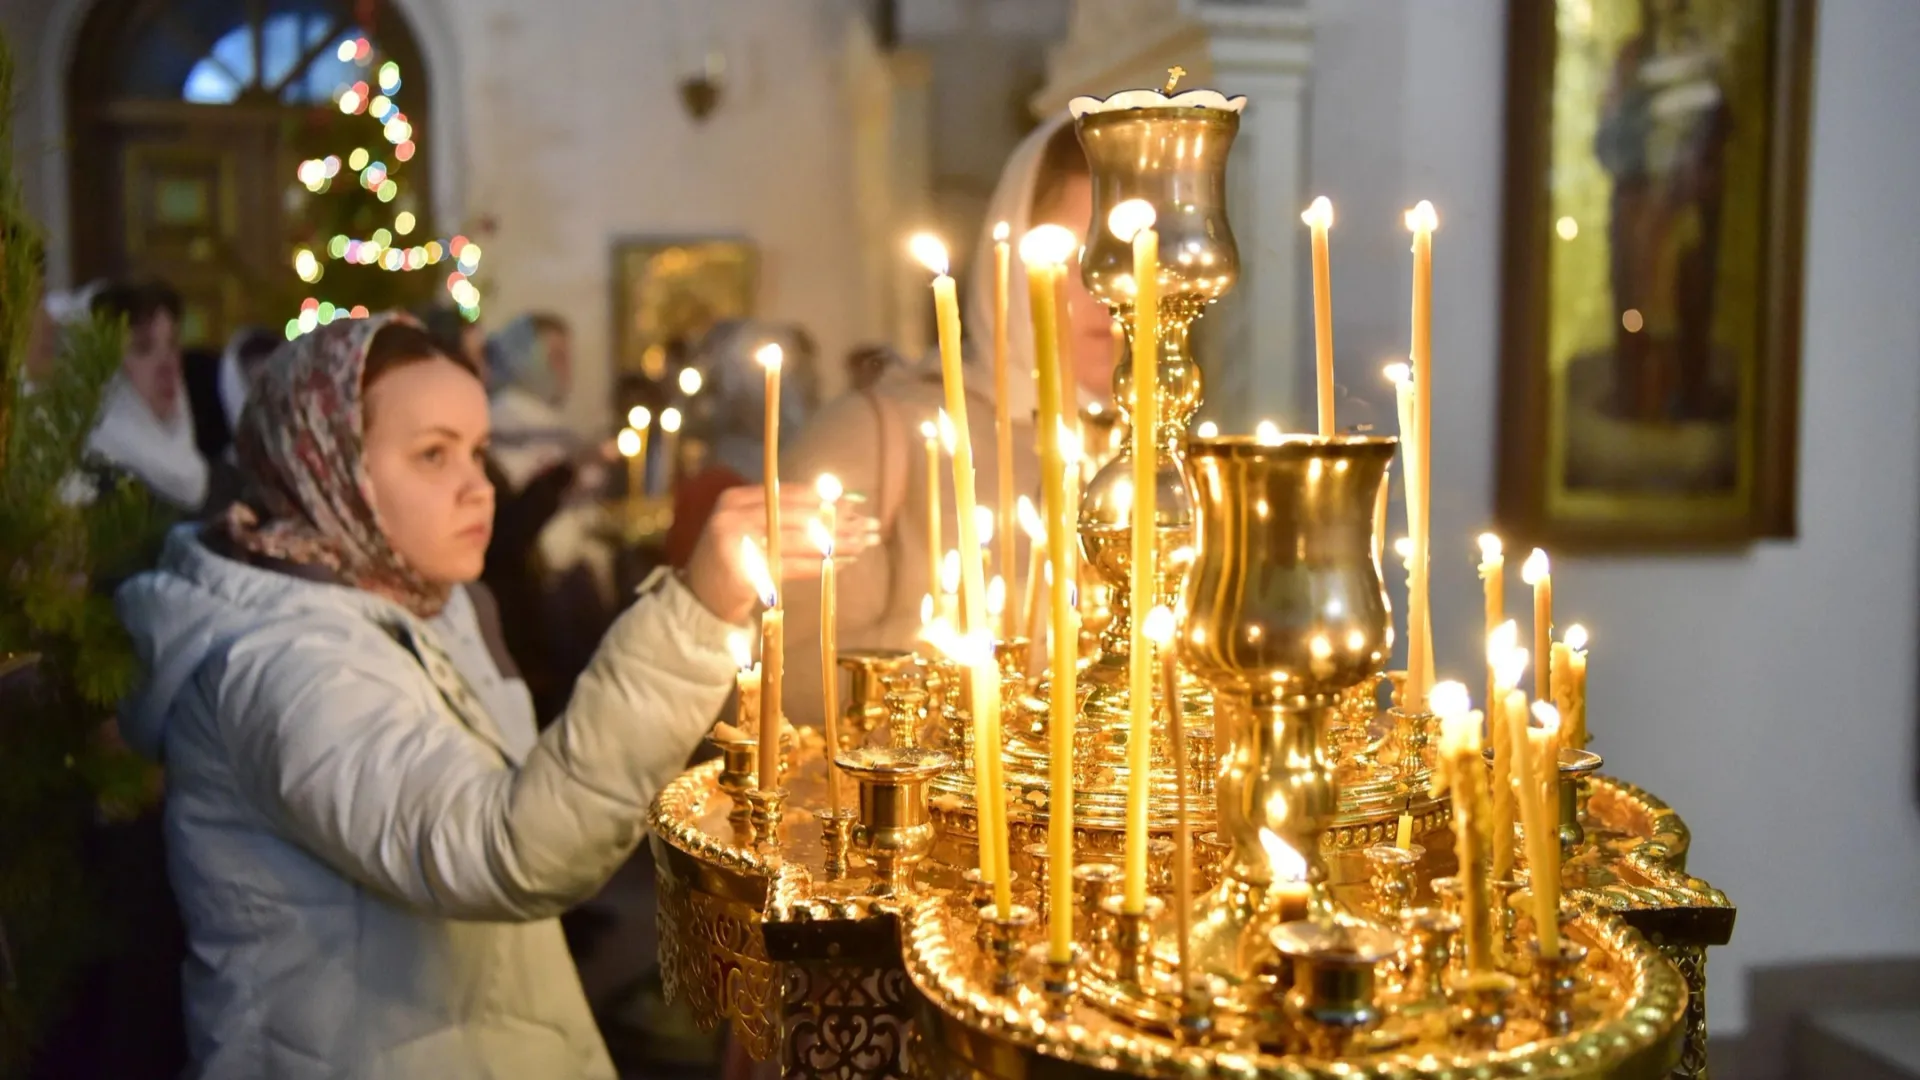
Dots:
{"x": 1655, "y": 187}
{"x": 667, "y": 293}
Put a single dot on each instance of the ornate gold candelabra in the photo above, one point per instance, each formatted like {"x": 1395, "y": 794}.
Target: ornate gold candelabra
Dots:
{"x": 1312, "y": 956}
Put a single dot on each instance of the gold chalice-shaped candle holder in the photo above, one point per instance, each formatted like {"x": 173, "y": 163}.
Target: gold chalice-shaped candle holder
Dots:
{"x": 1284, "y": 609}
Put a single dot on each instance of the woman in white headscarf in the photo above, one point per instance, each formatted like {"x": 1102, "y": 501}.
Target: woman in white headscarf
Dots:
{"x": 871, "y": 440}
{"x": 145, "y": 427}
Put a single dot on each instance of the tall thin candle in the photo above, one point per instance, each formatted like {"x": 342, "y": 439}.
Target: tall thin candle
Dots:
{"x": 1576, "y": 718}
{"x": 822, "y": 530}
{"x": 1319, "y": 219}
{"x": 1506, "y": 665}
{"x": 1132, "y": 221}
{"x": 1160, "y": 627}
{"x": 770, "y": 357}
{"x": 1422, "y": 220}
{"x": 1003, "y": 418}
{"x": 1044, "y": 253}
{"x": 1419, "y": 619}
{"x": 772, "y": 636}
{"x": 1464, "y": 773}
{"x": 1493, "y": 585}
{"x": 1036, "y": 530}
{"x": 1537, "y": 573}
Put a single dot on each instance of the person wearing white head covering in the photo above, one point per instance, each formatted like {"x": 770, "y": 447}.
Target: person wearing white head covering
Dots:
{"x": 145, "y": 426}
{"x": 872, "y": 441}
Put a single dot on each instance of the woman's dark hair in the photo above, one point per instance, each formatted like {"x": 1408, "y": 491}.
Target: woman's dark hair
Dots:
{"x": 137, "y": 301}
{"x": 397, "y": 345}
{"x": 255, "y": 345}
{"x": 445, "y": 326}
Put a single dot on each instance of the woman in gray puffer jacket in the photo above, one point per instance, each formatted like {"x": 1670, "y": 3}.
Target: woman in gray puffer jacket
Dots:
{"x": 368, "y": 840}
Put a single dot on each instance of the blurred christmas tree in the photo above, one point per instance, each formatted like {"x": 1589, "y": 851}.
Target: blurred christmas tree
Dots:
{"x": 64, "y": 660}
{"x": 364, "y": 237}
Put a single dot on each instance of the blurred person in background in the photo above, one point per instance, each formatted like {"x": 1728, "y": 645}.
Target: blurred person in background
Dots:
{"x": 871, "y": 438}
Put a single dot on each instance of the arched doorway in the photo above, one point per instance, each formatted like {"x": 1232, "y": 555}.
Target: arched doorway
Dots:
{"x": 211, "y": 143}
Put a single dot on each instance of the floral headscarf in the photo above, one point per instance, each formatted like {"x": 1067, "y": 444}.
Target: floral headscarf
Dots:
{"x": 305, "y": 498}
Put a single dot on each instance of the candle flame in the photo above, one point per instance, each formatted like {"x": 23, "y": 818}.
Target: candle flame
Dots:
{"x": 1069, "y": 443}
{"x": 950, "y": 572}
{"x": 926, "y": 609}
{"x": 628, "y": 442}
{"x": 928, "y": 431}
{"x": 639, "y": 418}
{"x": 983, "y": 524}
{"x": 754, "y": 562}
{"x": 821, "y": 536}
{"x": 1122, "y": 495}
{"x": 968, "y": 650}
{"x": 1182, "y": 555}
{"x": 1460, "y": 733}
{"x": 770, "y": 355}
{"x": 690, "y": 381}
{"x": 1576, "y": 637}
{"x": 741, "y": 646}
{"x": 1397, "y": 372}
{"x": 1490, "y": 547}
{"x": 948, "y": 436}
{"x": 1319, "y": 213}
{"x": 1129, "y": 217}
{"x": 1001, "y": 230}
{"x": 1534, "y": 570}
{"x": 1403, "y": 547}
{"x": 1509, "y": 666}
{"x": 1160, "y": 625}
{"x": 1503, "y": 639}
{"x": 1267, "y": 433}
{"x": 1288, "y": 864}
{"x": 1207, "y": 430}
{"x": 1422, "y": 217}
{"x": 1547, "y": 715}
{"x": 1048, "y": 245}
{"x": 996, "y": 595}
{"x": 1030, "y": 522}
{"x": 927, "y": 249}
{"x": 669, "y": 420}
{"x": 1094, "y": 408}
{"x": 828, "y": 487}
{"x": 1449, "y": 698}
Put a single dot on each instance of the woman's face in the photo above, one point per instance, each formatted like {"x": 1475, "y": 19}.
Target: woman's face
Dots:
{"x": 426, "y": 440}
{"x": 151, "y": 360}
{"x": 1089, "y": 326}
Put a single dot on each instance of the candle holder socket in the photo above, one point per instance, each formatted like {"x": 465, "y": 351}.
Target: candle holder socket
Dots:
{"x": 836, "y": 837}
{"x": 907, "y": 704}
{"x": 765, "y": 809}
{"x": 1576, "y": 766}
{"x": 739, "y": 759}
{"x": 1058, "y": 987}
{"x": 1006, "y": 943}
{"x": 867, "y": 671}
{"x": 1429, "y": 934}
{"x": 894, "y": 831}
{"x": 1132, "y": 942}
{"x": 1391, "y": 874}
{"x": 1480, "y": 1003}
{"x": 1092, "y": 883}
{"x": 1556, "y": 983}
{"x": 1335, "y": 997}
{"x": 1038, "y": 871}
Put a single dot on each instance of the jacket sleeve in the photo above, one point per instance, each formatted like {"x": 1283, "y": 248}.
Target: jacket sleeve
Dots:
{"x": 397, "y": 795}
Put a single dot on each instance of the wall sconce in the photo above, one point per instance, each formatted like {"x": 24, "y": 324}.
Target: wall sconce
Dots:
{"x": 700, "y": 91}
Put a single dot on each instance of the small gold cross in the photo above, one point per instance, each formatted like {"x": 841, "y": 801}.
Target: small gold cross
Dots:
{"x": 1174, "y": 74}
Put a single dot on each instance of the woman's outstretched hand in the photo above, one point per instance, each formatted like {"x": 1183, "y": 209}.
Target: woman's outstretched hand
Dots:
{"x": 715, "y": 573}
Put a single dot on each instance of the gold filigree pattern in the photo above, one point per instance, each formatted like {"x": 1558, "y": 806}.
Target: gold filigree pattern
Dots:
{"x": 845, "y": 1021}
{"x": 713, "y": 958}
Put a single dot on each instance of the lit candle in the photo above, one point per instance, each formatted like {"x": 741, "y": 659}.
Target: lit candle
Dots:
{"x": 974, "y": 653}
{"x": 946, "y": 308}
{"x": 821, "y": 529}
{"x": 1576, "y": 716}
{"x": 1422, "y": 221}
{"x": 1044, "y": 252}
{"x": 1267, "y": 433}
{"x": 1319, "y": 218}
{"x": 1536, "y": 573}
{"x": 1160, "y": 627}
{"x": 1419, "y": 617}
{"x": 670, "y": 424}
{"x": 1036, "y": 530}
{"x": 1003, "y": 416}
{"x": 769, "y": 356}
{"x": 1467, "y": 776}
{"x": 1506, "y": 663}
{"x": 931, "y": 434}
{"x": 950, "y": 587}
{"x": 630, "y": 442}
{"x": 690, "y": 381}
{"x": 983, "y": 520}
{"x": 1132, "y": 222}
{"x": 1533, "y": 757}
{"x": 1493, "y": 584}
{"x": 772, "y": 635}
{"x": 1403, "y": 831}
{"x": 746, "y": 715}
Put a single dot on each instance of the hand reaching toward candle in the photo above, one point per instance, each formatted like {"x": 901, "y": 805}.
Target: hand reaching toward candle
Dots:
{"x": 714, "y": 572}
